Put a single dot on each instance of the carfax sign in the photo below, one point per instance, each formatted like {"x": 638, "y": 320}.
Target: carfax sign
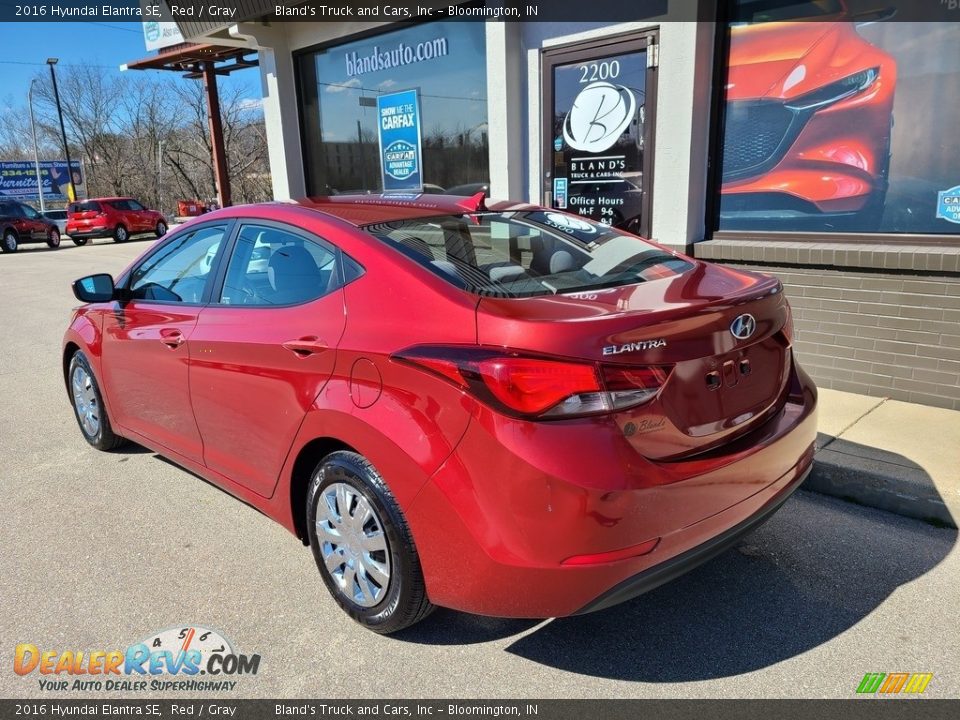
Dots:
{"x": 398, "y": 125}
{"x": 948, "y": 204}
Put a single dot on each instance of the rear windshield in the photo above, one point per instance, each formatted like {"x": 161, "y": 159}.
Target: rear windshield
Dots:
{"x": 88, "y": 206}
{"x": 56, "y": 214}
{"x": 522, "y": 254}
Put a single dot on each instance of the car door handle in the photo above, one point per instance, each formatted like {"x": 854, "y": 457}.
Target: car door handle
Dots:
{"x": 172, "y": 338}
{"x": 306, "y": 346}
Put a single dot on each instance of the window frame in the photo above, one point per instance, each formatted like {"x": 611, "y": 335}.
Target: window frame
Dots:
{"x": 344, "y": 279}
{"x": 643, "y": 40}
{"x": 306, "y": 124}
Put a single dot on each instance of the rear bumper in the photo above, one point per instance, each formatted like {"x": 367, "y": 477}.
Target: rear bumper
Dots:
{"x": 103, "y": 232}
{"x": 560, "y": 529}
{"x": 652, "y": 578}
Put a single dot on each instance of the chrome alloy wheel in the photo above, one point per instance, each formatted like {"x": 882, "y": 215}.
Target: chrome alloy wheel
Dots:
{"x": 85, "y": 401}
{"x": 353, "y": 544}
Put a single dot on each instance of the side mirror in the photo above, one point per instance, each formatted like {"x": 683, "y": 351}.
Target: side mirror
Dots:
{"x": 94, "y": 288}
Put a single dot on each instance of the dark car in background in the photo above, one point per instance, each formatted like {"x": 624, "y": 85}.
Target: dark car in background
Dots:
{"x": 20, "y": 224}
{"x": 119, "y": 218}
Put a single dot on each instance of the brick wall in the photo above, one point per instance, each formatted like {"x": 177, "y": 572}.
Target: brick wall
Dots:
{"x": 877, "y": 334}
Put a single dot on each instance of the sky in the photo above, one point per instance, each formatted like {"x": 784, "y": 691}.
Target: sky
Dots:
{"x": 26, "y": 47}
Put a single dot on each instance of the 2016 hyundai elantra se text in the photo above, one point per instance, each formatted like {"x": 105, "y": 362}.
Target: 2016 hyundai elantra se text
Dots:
{"x": 501, "y": 409}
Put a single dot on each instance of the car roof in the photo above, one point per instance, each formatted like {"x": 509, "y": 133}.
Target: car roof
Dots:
{"x": 101, "y": 199}
{"x": 369, "y": 209}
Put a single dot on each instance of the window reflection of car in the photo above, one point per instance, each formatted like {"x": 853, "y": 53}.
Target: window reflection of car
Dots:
{"x": 808, "y": 117}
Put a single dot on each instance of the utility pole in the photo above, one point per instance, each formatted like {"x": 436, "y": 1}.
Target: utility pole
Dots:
{"x": 71, "y": 195}
{"x": 160, "y": 175}
{"x": 36, "y": 153}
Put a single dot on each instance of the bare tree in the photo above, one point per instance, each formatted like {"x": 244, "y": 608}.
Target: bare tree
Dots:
{"x": 118, "y": 124}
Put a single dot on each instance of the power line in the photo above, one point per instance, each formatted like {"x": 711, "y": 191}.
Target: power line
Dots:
{"x": 40, "y": 64}
{"x": 115, "y": 27}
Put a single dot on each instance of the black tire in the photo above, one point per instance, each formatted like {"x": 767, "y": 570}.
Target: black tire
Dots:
{"x": 10, "y": 242}
{"x": 104, "y": 438}
{"x": 121, "y": 234}
{"x": 405, "y": 601}
{"x": 53, "y": 238}
{"x": 161, "y": 229}
{"x": 79, "y": 241}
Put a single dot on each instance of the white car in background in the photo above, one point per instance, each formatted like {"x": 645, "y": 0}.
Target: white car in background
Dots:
{"x": 59, "y": 217}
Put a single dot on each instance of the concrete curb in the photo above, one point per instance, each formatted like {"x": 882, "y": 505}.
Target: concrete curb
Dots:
{"x": 842, "y": 469}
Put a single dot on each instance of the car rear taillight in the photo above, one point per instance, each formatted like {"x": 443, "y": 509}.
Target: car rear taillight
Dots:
{"x": 787, "y": 328}
{"x": 524, "y": 385}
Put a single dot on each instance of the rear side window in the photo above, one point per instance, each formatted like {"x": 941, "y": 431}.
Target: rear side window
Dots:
{"x": 271, "y": 267}
{"x": 522, "y": 254}
{"x": 86, "y": 206}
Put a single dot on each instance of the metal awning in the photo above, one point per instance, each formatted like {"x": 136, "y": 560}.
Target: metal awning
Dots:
{"x": 189, "y": 58}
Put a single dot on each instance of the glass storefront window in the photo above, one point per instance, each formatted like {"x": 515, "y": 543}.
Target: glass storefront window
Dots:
{"x": 339, "y": 85}
{"x": 839, "y": 122}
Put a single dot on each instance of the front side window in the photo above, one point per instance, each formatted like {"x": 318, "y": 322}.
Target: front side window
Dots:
{"x": 29, "y": 212}
{"x": 521, "y": 254}
{"x": 178, "y": 272}
{"x": 134, "y": 205}
{"x": 272, "y": 267}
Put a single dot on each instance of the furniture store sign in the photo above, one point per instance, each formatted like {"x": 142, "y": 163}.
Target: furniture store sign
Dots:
{"x": 398, "y": 126}
{"x": 19, "y": 179}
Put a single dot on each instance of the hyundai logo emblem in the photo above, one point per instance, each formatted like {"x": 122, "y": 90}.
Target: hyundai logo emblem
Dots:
{"x": 743, "y": 327}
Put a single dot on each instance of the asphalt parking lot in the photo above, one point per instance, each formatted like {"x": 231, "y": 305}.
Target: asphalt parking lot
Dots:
{"x": 102, "y": 550}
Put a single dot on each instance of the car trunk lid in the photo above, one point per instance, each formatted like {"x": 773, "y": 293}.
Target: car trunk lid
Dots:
{"x": 720, "y": 386}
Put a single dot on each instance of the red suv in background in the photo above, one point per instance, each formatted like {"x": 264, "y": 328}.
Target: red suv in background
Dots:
{"x": 116, "y": 217}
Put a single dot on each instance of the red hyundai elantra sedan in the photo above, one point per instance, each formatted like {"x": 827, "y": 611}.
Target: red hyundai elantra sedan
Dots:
{"x": 505, "y": 410}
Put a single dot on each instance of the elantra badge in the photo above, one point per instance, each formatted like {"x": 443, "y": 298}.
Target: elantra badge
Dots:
{"x": 743, "y": 327}
{"x": 635, "y": 346}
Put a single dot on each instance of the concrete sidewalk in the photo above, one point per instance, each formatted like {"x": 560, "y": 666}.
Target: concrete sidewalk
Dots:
{"x": 891, "y": 455}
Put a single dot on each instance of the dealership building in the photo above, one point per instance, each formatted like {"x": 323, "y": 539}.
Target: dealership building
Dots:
{"x": 821, "y": 151}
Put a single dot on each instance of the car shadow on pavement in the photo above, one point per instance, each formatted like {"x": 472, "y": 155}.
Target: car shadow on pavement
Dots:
{"x": 449, "y": 627}
{"x": 815, "y": 570}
